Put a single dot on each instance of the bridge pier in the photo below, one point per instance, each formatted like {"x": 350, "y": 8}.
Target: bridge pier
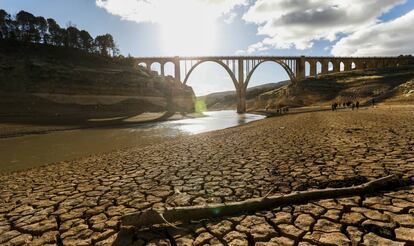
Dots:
{"x": 325, "y": 67}
{"x": 347, "y": 66}
{"x": 241, "y": 88}
{"x": 177, "y": 68}
{"x": 162, "y": 69}
{"x": 313, "y": 68}
{"x": 336, "y": 66}
{"x": 300, "y": 68}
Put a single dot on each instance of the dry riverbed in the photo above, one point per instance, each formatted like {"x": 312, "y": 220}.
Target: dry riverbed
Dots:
{"x": 81, "y": 202}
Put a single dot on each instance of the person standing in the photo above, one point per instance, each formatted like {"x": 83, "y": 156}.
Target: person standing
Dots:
{"x": 357, "y": 105}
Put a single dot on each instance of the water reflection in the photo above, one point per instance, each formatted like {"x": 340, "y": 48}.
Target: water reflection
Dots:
{"x": 214, "y": 120}
{"x": 34, "y": 150}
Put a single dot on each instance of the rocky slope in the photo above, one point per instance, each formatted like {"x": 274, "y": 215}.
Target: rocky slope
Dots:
{"x": 38, "y": 80}
{"x": 393, "y": 85}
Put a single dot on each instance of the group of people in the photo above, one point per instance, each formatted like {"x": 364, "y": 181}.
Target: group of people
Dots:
{"x": 348, "y": 104}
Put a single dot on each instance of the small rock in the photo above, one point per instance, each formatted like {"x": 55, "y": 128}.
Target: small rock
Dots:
{"x": 405, "y": 234}
{"x": 372, "y": 239}
{"x": 324, "y": 225}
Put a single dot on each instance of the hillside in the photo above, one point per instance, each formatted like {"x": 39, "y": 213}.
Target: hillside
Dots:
{"x": 393, "y": 85}
{"x": 39, "y": 80}
{"x": 227, "y": 99}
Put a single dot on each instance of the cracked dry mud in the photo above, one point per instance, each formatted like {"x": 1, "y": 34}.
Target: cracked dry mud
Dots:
{"x": 81, "y": 202}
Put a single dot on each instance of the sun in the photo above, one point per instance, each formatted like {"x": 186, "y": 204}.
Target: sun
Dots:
{"x": 188, "y": 33}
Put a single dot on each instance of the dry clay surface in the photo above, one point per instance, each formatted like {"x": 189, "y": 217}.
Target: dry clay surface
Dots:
{"x": 81, "y": 202}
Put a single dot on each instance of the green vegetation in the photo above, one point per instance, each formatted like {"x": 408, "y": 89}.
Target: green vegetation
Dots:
{"x": 200, "y": 105}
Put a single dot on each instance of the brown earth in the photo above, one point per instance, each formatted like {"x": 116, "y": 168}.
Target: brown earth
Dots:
{"x": 81, "y": 202}
{"x": 40, "y": 82}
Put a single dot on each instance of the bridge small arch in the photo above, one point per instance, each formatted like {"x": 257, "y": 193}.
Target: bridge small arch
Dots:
{"x": 142, "y": 64}
{"x": 341, "y": 66}
{"x": 330, "y": 66}
{"x": 156, "y": 67}
{"x": 318, "y": 67}
{"x": 353, "y": 66}
{"x": 307, "y": 69}
{"x": 284, "y": 65}
{"x": 169, "y": 69}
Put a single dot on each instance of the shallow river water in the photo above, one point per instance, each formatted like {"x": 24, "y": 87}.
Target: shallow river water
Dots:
{"x": 19, "y": 153}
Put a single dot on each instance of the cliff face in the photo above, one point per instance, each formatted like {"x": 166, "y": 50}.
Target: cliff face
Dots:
{"x": 53, "y": 81}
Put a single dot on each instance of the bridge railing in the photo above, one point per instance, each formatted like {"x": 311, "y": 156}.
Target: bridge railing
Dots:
{"x": 261, "y": 57}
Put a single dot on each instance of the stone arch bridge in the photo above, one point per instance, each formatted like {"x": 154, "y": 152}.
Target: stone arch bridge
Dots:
{"x": 241, "y": 68}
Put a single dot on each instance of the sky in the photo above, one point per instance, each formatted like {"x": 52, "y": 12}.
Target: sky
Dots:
{"x": 238, "y": 27}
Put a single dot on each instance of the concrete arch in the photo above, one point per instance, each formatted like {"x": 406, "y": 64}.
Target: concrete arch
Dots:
{"x": 284, "y": 65}
{"x": 342, "y": 66}
{"x": 232, "y": 76}
{"x": 353, "y": 65}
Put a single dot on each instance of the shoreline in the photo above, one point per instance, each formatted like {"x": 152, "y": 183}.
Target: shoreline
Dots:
{"x": 49, "y": 126}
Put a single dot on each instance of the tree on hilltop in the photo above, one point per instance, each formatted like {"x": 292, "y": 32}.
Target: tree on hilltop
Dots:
{"x": 36, "y": 29}
{"x": 86, "y": 41}
{"x": 72, "y": 37}
{"x": 26, "y": 23}
{"x": 6, "y": 24}
{"x": 106, "y": 44}
{"x": 42, "y": 27}
{"x": 56, "y": 33}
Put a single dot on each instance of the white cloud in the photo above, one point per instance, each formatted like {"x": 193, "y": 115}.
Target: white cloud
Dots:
{"x": 159, "y": 11}
{"x": 298, "y": 23}
{"x": 395, "y": 37}
{"x": 187, "y": 27}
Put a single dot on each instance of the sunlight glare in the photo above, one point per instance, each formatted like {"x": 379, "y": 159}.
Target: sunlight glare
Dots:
{"x": 185, "y": 32}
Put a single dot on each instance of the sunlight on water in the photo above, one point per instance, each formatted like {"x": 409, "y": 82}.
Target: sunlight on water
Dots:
{"x": 34, "y": 150}
{"x": 214, "y": 120}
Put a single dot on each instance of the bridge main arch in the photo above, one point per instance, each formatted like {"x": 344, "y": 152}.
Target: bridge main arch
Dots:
{"x": 281, "y": 63}
{"x": 228, "y": 70}
{"x": 238, "y": 84}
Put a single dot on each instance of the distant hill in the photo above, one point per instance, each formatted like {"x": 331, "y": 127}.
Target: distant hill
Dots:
{"x": 227, "y": 99}
{"x": 42, "y": 80}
